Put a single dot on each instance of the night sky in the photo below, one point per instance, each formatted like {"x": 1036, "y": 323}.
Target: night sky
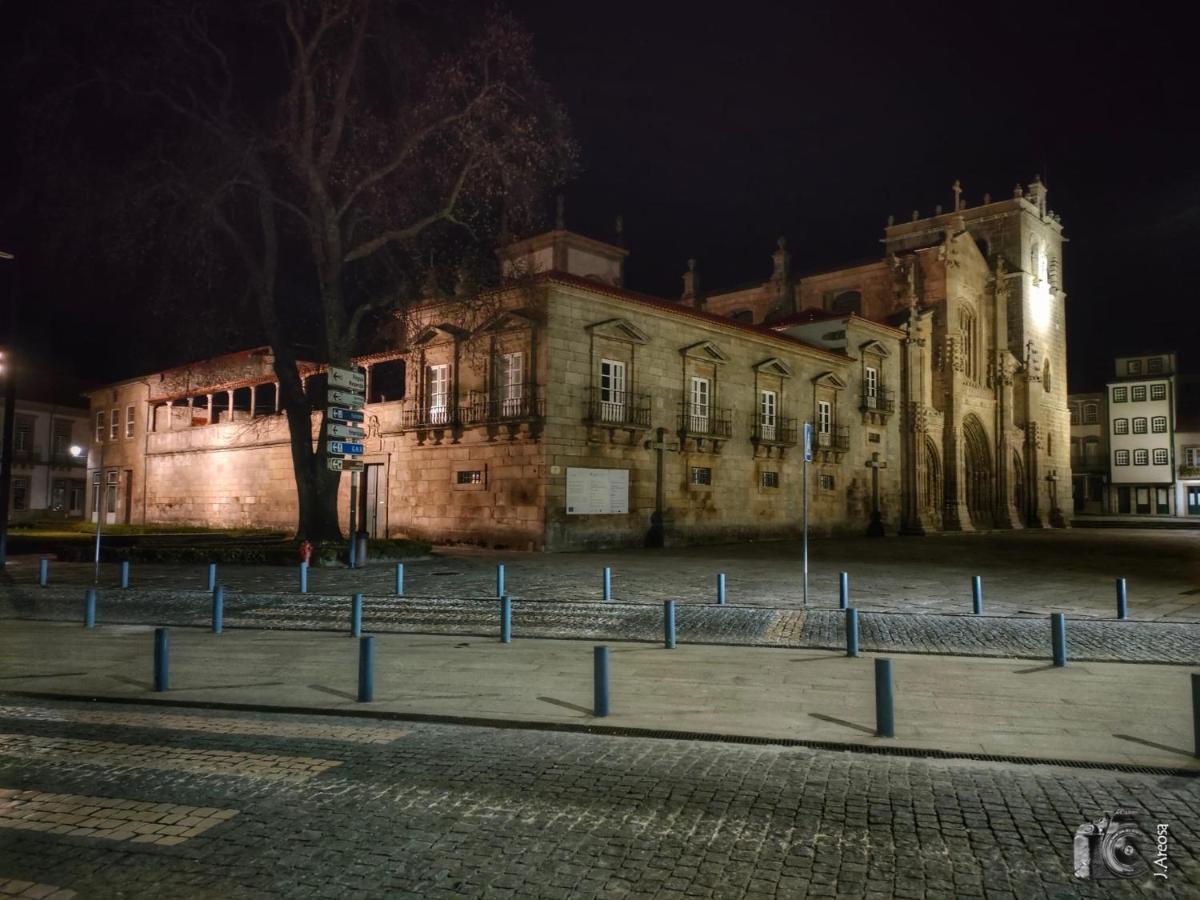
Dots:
{"x": 715, "y": 133}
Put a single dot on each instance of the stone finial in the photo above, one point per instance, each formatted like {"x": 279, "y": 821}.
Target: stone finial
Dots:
{"x": 916, "y": 214}
{"x": 691, "y": 284}
{"x": 891, "y": 221}
{"x": 937, "y": 210}
{"x": 560, "y": 212}
{"x": 1018, "y": 191}
{"x": 464, "y": 285}
{"x": 957, "y": 189}
{"x": 987, "y": 198}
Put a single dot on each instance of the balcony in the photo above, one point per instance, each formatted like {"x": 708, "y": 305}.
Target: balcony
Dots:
{"x": 1186, "y": 471}
{"x": 775, "y": 431}
{"x": 520, "y": 407}
{"x": 422, "y": 415}
{"x": 880, "y": 399}
{"x": 836, "y": 439}
{"x": 704, "y": 421}
{"x": 618, "y": 409}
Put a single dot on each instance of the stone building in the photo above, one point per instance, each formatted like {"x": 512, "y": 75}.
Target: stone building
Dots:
{"x": 567, "y": 411}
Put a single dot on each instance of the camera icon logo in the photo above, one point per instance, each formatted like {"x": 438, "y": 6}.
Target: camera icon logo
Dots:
{"x": 1112, "y": 847}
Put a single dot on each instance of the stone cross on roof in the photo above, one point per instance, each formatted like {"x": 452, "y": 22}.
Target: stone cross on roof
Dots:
{"x": 957, "y": 188}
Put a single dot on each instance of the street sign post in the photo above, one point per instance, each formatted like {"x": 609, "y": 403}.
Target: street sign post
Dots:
{"x": 351, "y": 379}
{"x": 346, "y": 394}
{"x": 340, "y": 464}
{"x": 345, "y": 398}
{"x": 338, "y": 414}
{"x": 334, "y": 430}
{"x": 808, "y": 456}
{"x": 344, "y": 448}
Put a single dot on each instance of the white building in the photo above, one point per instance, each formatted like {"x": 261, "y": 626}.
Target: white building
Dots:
{"x": 1141, "y": 426}
{"x": 47, "y": 481}
{"x": 1187, "y": 447}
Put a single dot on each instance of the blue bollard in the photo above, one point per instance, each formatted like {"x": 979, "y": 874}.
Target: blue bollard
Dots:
{"x": 1122, "y": 600}
{"x": 366, "y": 669}
{"x": 607, "y": 584}
{"x": 218, "y": 623}
{"x": 500, "y": 580}
{"x": 212, "y": 576}
{"x": 353, "y": 552}
{"x": 399, "y": 579}
{"x": 356, "y": 609}
{"x": 885, "y": 708}
{"x": 977, "y": 595}
{"x": 851, "y": 631}
{"x": 506, "y": 620}
{"x": 600, "y": 681}
{"x": 844, "y": 590}
{"x": 1058, "y": 637}
{"x": 720, "y": 589}
{"x": 1196, "y": 714}
{"x": 304, "y": 578}
{"x": 669, "y": 624}
{"x": 89, "y": 608}
{"x": 162, "y": 650}
{"x": 124, "y": 573}
{"x": 43, "y": 572}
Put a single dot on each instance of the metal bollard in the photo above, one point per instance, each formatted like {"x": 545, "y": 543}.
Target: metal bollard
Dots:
{"x": 607, "y": 584}
{"x": 1196, "y": 713}
{"x": 366, "y": 669}
{"x": 720, "y": 589}
{"x": 212, "y": 576}
{"x": 1058, "y": 637}
{"x": 361, "y": 543}
{"x": 500, "y": 580}
{"x": 843, "y": 590}
{"x": 669, "y": 624}
{"x": 851, "y": 631}
{"x": 353, "y": 551}
{"x": 89, "y": 608}
{"x": 885, "y": 707}
{"x": 43, "y": 572}
{"x": 356, "y": 611}
{"x": 1122, "y": 600}
{"x": 506, "y": 620}
{"x": 162, "y": 651}
{"x": 399, "y": 579}
{"x": 977, "y": 595}
{"x": 304, "y": 578}
{"x": 600, "y": 681}
{"x": 124, "y": 573}
{"x": 218, "y": 622}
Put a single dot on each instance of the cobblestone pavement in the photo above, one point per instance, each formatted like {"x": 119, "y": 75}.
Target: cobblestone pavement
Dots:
{"x": 442, "y": 811}
{"x": 1022, "y": 637}
{"x": 1023, "y": 572}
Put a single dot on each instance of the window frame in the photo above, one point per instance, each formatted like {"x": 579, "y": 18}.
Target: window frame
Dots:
{"x": 1160, "y": 457}
{"x": 114, "y": 423}
{"x": 130, "y": 420}
{"x": 1158, "y": 391}
{"x": 437, "y": 375}
{"x": 768, "y": 413}
{"x": 1141, "y": 456}
{"x": 1120, "y": 457}
{"x": 1140, "y": 425}
{"x": 1158, "y": 424}
{"x": 1137, "y": 393}
{"x": 101, "y": 423}
{"x": 768, "y": 479}
{"x": 1120, "y": 394}
{"x": 1091, "y": 413}
{"x": 696, "y": 479}
{"x": 1120, "y": 426}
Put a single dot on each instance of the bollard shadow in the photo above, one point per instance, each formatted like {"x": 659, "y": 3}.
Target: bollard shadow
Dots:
{"x": 1032, "y": 669}
{"x": 805, "y": 659}
{"x": 843, "y": 722}
{"x": 225, "y": 687}
{"x": 565, "y": 705}
{"x": 133, "y": 682}
{"x": 333, "y": 692}
{"x": 1144, "y": 742}
{"x": 40, "y": 675}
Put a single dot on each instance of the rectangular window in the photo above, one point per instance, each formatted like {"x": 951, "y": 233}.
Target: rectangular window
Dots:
{"x": 1160, "y": 456}
{"x": 1142, "y": 497}
{"x": 23, "y": 435}
{"x": 612, "y": 391}
{"x": 1121, "y": 458}
{"x": 110, "y": 491}
{"x": 76, "y": 494}
{"x": 1091, "y": 414}
{"x": 701, "y": 475}
{"x": 437, "y": 393}
{"x": 1091, "y": 450}
{"x": 1158, "y": 391}
{"x": 510, "y": 382}
{"x": 699, "y": 407}
{"x": 1155, "y": 365}
{"x": 1120, "y": 426}
{"x": 1139, "y": 425}
{"x": 61, "y": 442}
{"x": 1141, "y": 457}
{"x": 1074, "y": 415}
{"x": 871, "y": 386}
{"x": 1191, "y": 456}
{"x": 95, "y": 490}
{"x": 99, "y": 427}
{"x": 824, "y": 422}
{"x": 770, "y": 479}
{"x": 1120, "y": 394}
{"x": 1133, "y": 367}
{"x": 20, "y": 494}
{"x": 130, "y": 418}
{"x": 873, "y": 437}
{"x": 825, "y": 482}
{"x": 472, "y": 476}
{"x": 766, "y": 414}
{"x": 1158, "y": 424}
{"x": 114, "y": 424}
{"x": 1138, "y": 393}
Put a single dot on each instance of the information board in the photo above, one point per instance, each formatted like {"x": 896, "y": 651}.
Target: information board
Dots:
{"x": 593, "y": 492}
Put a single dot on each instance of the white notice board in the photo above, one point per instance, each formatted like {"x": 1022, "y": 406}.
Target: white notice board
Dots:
{"x": 597, "y": 491}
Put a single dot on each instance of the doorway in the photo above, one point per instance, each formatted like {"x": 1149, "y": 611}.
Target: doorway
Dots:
{"x": 373, "y": 502}
{"x": 1123, "y": 500}
{"x": 1193, "y": 499}
{"x": 128, "y": 513}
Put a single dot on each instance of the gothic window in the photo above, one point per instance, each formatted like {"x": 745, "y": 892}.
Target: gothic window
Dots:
{"x": 1049, "y": 443}
{"x": 968, "y": 325}
{"x": 1046, "y": 377}
{"x": 1034, "y": 268}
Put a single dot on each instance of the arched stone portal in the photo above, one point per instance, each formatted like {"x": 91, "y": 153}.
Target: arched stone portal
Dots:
{"x": 1020, "y": 501}
{"x": 978, "y": 475}
{"x": 931, "y": 490}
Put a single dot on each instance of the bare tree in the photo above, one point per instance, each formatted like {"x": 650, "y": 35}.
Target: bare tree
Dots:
{"x": 331, "y": 154}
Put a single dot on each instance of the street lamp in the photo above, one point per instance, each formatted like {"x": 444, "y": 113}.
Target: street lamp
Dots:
{"x": 100, "y": 496}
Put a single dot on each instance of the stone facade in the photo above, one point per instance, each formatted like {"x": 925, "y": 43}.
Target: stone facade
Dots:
{"x": 566, "y": 411}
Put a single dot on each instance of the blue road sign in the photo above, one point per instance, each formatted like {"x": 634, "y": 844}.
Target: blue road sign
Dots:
{"x": 808, "y": 457}
{"x": 340, "y": 448}
{"x": 338, "y": 414}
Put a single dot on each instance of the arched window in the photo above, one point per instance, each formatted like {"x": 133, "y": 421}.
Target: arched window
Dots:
{"x": 1046, "y": 377}
{"x": 847, "y": 302}
{"x": 969, "y": 327}
{"x": 1034, "y": 265}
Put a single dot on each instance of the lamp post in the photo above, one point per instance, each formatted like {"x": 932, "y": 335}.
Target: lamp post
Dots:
{"x": 100, "y": 497}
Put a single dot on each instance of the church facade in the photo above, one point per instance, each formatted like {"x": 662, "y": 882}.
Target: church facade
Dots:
{"x": 565, "y": 411}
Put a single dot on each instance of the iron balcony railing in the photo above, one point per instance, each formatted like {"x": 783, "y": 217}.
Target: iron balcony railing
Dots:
{"x": 705, "y": 420}
{"x": 836, "y": 438}
{"x": 518, "y": 407}
{"x": 879, "y": 399}
{"x": 775, "y": 430}
{"x": 1186, "y": 471}
{"x": 608, "y": 407}
{"x": 428, "y": 415}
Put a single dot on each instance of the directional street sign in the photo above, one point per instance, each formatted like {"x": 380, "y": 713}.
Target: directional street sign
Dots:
{"x": 343, "y": 448}
{"x": 346, "y": 378}
{"x": 337, "y": 414}
{"x": 345, "y": 398}
{"x": 337, "y": 464}
{"x": 344, "y": 431}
